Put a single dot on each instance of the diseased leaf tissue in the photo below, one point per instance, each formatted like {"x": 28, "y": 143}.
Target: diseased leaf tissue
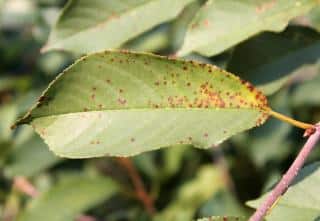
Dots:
{"x": 121, "y": 103}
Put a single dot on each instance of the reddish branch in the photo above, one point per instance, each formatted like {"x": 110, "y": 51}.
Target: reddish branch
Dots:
{"x": 141, "y": 192}
{"x": 24, "y": 186}
{"x": 288, "y": 177}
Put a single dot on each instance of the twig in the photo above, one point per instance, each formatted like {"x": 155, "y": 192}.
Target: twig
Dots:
{"x": 288, "y": 177}
{"x": 141, "y": 193}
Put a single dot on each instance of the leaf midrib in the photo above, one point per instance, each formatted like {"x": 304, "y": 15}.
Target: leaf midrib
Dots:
{"x": 153, "y": 109}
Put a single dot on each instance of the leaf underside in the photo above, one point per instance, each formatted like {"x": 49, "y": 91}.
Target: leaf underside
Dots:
{"x": 218, "y": 26}
{"x": 78, "y": 192}
{"x": 270, "y": 67}
{"x": 87, "y": 26}
{"x": 121, "y": 104}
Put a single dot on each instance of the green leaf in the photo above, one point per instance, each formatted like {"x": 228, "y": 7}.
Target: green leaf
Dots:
{"x": 155, "y": 40}
{"x": 71, "y": 196}
{"x": 314, "y": 17}
{"x": 221, "y": 203}
{"x": 301, "y": 201}
{"x": 193, "y": 194}
{"x": 29, "y": 158}
{"x": 173, "y": 158}
{"x": 91, "y": 26}
{"x": 8, "y": 114}
{"x": 222, "y": 218}
{"x": 218, "y": 26}
{"x": 307, "y": 93}
{"x": 180, "y": 25}
{"x": 272, "y": 66}
{"x": 120, "y": 103}
{"x": 13, "y": 82}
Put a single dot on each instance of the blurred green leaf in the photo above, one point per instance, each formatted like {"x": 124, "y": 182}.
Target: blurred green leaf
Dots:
{"x": 20, "y": 83}
{"x": 8, "y": 114}
{"x": 221, "y": 203}
{"x": 109, "y": 23}
{"x": 17, "y": 13}
{"x": 173, "y": 157}
{"x": 70, "y": 197}
{"x": 269, "y": 60}
{"x": 222, "y": 218}
{"x": 11, "y": 207}
{"x": 221, "y": 24}
{"x": 314, "y": 17}
{"x": 52, "y": 63}
{"x": 302, "y": 200}
{"x": 29, "y": 158}
{"x": 307, "y": 93}
{"x": 193, "y": 194}
{"x": 179, "y": 26}
{"x": 154, "y": 40}
{"x": 131, "y": 101}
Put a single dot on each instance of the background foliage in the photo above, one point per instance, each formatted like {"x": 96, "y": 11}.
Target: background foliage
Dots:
{"x": 185, "y": 183}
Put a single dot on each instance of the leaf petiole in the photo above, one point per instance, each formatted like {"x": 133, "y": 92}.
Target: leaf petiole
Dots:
{"x": 290, "y": 120}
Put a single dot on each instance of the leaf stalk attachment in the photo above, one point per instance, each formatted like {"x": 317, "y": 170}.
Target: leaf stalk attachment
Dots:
{"x": 291, "y": 121}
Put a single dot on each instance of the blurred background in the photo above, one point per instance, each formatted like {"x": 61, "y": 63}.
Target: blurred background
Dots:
{"x": 178, "y": 183}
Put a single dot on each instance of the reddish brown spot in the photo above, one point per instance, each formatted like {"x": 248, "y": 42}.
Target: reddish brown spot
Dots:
{"x": 122, "y": 101}
{"x": 120, "y": 90}
{"x": 132, "y": 140}
{"x": 206, "y": 23}
{"x": 188, "y": 84}
{"x": 42, "y": 98}
{"x": 85, "y": 109}
{"x": 93, "y": 96}
{"x": 94, "y": 88}
{"x": 157, "y": 83}
{"x": 205, "y": 135}
{"x": 185, "y": 68}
